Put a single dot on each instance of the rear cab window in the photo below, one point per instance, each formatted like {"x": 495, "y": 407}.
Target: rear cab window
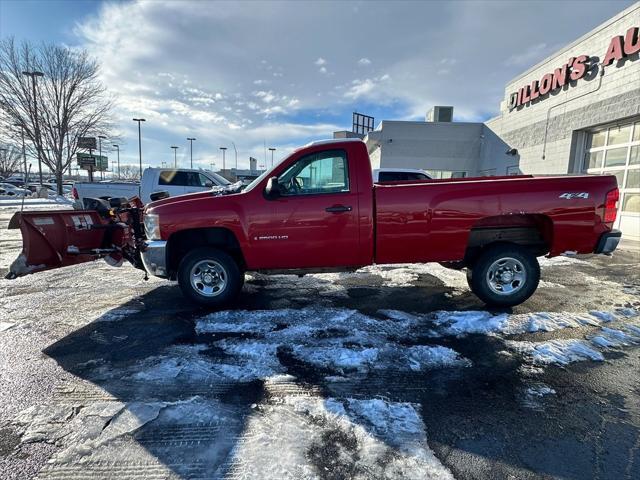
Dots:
{"x": 401, "y": 176}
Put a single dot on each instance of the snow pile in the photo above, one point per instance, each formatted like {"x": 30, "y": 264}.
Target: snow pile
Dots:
{"x": 559, "y": 352}
{"x": 335, "y": 340}
{"x": 134, "y": 438}
{"x": 243, "y": 362}
{"x": 342, "y": 439}
{"x": 403, "y": 275}
{"x": 424, "y": 357}
{"x": 461, "y": 323}
{"x": 540, "y": 390}
{"x": 4, "y": 326}
{"x": 610, "y": 337}
{"x": 534, "y": 395}
{"x": 456, "y": 323}
{"x": 560, "y": 260}
{"x": 551, "y": 321}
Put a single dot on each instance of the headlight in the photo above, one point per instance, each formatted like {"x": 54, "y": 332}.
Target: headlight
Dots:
{"x": 152, "y": 226}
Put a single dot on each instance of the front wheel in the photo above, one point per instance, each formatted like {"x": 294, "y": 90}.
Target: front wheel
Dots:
{"x": 209, "y": 276}
{"x": 504, "y": 275}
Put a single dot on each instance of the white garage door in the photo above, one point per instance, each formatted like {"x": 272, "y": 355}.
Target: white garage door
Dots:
{"x": 615, "y": 150}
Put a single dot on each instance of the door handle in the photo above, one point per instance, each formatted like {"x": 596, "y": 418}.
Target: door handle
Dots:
{"x": 338, "y": 209}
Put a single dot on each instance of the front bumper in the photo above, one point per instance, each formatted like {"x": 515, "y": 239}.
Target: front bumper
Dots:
{"x": 154, "y": 258}
{"x": 608, "y": 242}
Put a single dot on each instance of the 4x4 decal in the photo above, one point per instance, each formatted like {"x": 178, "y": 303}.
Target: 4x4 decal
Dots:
{"x": 570, "y": 195}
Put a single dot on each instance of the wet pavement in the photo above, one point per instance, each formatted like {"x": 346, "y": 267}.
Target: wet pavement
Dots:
{"x": 391, "y": 372}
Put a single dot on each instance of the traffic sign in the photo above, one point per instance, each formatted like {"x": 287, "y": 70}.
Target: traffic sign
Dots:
{"x": 98, "y": 162}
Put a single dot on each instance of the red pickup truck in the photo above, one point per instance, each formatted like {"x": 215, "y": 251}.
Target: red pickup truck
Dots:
{"x": 319, "y": 211}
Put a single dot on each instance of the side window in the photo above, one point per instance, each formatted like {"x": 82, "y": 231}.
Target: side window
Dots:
{"x": 323, "y": 172}
{"x": 389, "y": 177}
{"x": 416, "y": 176}
{"x": 194, "y": 179}
{"x": 204, "y": 180}
{"x": 174, "y": 178}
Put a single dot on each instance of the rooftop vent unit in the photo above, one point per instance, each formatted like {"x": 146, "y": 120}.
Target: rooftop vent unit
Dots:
{"x": 440, "y": 114}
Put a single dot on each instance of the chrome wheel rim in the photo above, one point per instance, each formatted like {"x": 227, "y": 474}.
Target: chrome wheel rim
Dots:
{"x": 208, "y": 278}
{"x": 506, "y": 276}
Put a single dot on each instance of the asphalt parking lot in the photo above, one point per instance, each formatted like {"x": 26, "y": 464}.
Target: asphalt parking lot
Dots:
{"x": 391, "y": 372}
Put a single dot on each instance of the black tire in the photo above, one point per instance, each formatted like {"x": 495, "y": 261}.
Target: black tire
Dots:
{"x": 211, "y": 294}
{"x": 518, "y": 269}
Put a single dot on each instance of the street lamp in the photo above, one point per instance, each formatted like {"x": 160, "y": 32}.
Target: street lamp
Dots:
{"x": 33, "y": 76}
{"x": 224, "y": 149}
{"x": 235, "y": 150}
{"x": 100, "y": 138}
{"x": 175, "y": 156}
{"x": 117, "y": 147}
{"x": 271, "y": 149}
{"x": 191, "y": 149}
{"x": 139, "y": 153}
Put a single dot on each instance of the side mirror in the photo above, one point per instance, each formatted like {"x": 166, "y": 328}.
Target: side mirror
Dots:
{"x": 272, "y": 190}
{"x": 159, "y": 195}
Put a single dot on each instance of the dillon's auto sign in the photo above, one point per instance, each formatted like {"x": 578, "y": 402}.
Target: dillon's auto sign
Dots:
{"x": 575, "y": 68}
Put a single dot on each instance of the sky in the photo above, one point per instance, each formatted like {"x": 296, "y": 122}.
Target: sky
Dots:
{"x": 280, "y": 74}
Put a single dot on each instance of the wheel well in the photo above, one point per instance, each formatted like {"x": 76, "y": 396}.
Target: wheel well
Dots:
{"x": 534, "y": 232}
{"x": 182, "y": 242}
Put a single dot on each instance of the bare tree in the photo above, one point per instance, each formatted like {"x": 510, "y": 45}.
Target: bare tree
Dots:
{"x": 71, "y": 101}
{"x": 10, "y": 160}
{"x": 129, "y": 172}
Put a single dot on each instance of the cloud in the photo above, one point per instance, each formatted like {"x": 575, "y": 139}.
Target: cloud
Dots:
{"x": 219, "y": 71}
{"x": 530, "y": 56}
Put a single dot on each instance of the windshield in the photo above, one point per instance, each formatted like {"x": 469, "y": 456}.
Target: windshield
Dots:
{"x": 219, "y": 178}
{"x": 264, "y": 175}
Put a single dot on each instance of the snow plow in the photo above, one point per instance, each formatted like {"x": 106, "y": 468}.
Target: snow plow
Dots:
{"x": 58, "y": 238}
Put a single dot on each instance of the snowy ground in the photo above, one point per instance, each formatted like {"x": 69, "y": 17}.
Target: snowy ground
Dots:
{"x": 391, "y": 372}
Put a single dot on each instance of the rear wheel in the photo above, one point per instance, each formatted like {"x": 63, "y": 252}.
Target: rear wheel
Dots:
{"x": 504, "y": 275}
{"x": 209, "y": 276}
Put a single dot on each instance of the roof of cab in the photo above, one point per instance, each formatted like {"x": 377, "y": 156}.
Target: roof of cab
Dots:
{"x": 330, "y": 141}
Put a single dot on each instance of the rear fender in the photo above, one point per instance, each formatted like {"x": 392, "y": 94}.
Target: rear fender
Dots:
{"x": 58, "y": 238}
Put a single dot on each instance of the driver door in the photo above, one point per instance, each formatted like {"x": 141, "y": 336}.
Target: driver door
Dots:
{"x": 314, "y": 222}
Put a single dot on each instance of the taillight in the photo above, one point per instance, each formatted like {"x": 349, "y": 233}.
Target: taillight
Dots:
{"x": 74, "y": 193}
{"x": 611, "y": 206}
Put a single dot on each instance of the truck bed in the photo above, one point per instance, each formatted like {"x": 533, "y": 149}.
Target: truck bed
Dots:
{"x": 432, "y": 220}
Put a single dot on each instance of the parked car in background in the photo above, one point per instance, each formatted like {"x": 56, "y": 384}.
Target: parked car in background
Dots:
{"x": 12, "y": 190}
{"x": 154, "y": 180}
{"x": 383, "y": 175}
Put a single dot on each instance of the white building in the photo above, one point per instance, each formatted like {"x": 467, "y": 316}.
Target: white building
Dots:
{"x": 576, "y": 112}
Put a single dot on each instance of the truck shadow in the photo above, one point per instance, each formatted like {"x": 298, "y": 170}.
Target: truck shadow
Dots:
{"x": 475, "y": 416}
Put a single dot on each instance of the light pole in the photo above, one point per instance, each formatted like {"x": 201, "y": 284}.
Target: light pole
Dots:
{"x": 271, "y": 149}
{"x": 139, "y": 120}
{"x": 191, "y": 149}
{"x": 175, "y": 156}
{"x": 100, "y": 138}
{"x": 117, "y": 147}
{"x": 33, "y": 76}
{"x": 224, "y": 149}
{"x": 235, "y": 150}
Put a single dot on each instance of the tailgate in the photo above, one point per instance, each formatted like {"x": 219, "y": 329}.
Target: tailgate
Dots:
{"x": 58, "y": 238}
